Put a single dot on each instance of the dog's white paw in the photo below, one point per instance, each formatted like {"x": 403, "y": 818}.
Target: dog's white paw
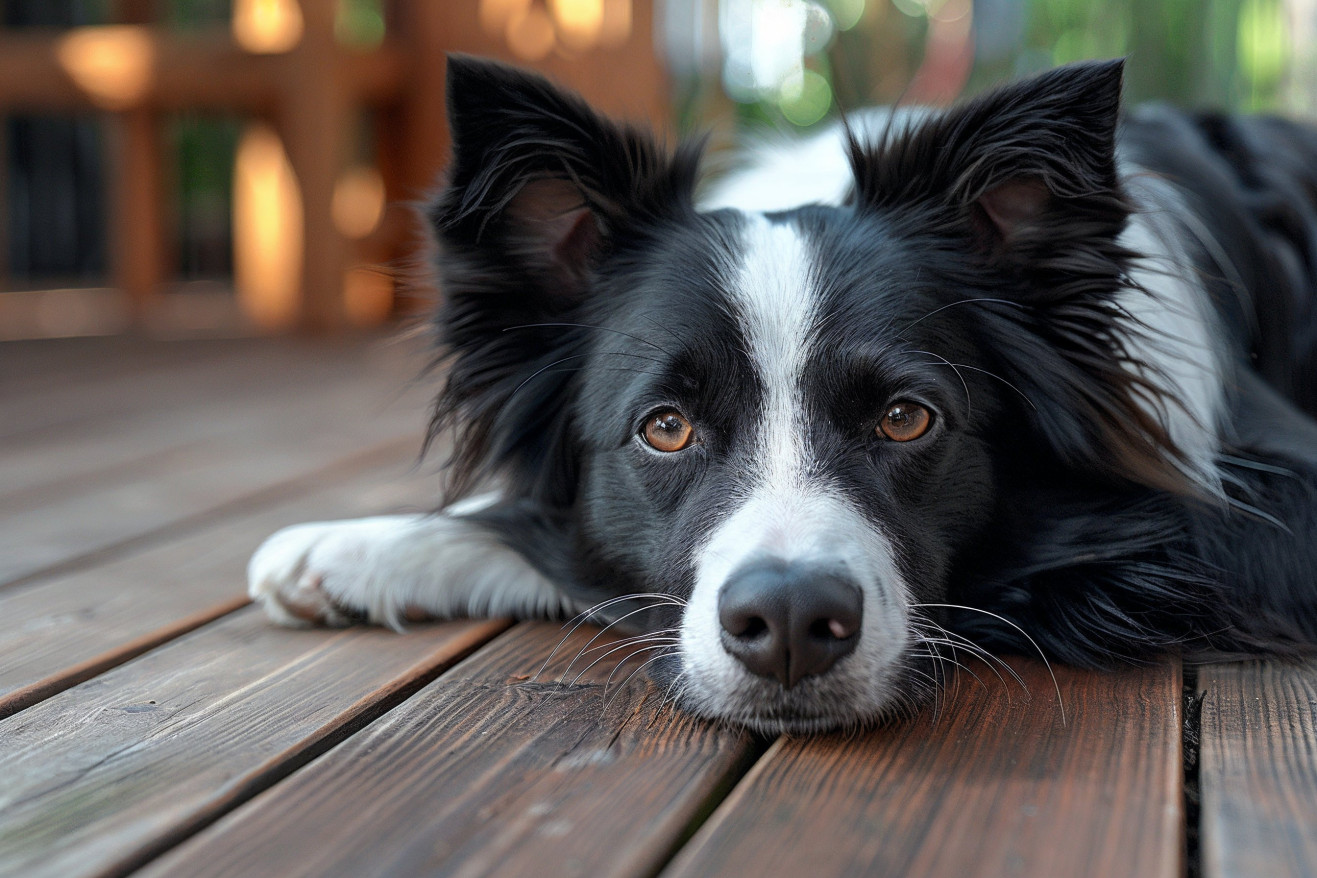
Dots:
{"x": 318, "y": 573}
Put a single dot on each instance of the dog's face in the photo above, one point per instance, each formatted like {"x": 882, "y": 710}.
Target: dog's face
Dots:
{"x": 792, "y": 423}
{"x": 776, "y": 437}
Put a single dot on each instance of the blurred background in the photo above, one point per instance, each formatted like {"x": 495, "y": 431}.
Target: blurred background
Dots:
{"x": 230, "y": 167}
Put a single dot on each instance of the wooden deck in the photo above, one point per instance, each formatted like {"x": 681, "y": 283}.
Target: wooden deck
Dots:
{"x": 153, "y": 723}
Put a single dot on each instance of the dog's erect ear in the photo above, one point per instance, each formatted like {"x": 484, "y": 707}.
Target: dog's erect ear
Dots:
{"x": 538, "y": 180}
{"x": 1016, "y": 162}
{"x": 541, "y": 189}
{"x": 1027, "y": 175}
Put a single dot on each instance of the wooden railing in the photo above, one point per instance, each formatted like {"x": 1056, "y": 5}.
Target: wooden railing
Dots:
{"x": 137, "y": 72}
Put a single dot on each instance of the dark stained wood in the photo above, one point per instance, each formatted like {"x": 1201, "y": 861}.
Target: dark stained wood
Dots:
{"x": 1258, "y": 770}
{"x": 245, "y": 429}
{"x": 64, "y": 630}
{"x": 992, "y": 788}
{"x": 139, "y": 244}
{"x": 48, "y": 386}
{"x": 148, "y": 392}
{"x": 100, "y": 777}
{"x": 488, "y": 771}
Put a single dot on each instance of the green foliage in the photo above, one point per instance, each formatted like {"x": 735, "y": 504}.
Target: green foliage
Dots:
{"x": 1226, "y": 54}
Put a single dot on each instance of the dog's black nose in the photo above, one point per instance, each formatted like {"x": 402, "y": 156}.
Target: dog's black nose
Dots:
{"x": 789, "y": 621}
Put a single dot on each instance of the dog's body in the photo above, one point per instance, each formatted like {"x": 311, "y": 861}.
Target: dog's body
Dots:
{"x": 1000, "y": 370}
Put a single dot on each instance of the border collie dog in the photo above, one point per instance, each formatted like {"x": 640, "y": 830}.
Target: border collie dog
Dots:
{"x": 1017, "y": 375}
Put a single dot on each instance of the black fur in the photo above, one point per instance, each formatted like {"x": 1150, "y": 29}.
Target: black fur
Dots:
{"x": 974, "y": 268}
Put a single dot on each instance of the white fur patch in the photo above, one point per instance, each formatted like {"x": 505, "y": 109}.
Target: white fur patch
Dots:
{"x": 388, "y": 567}
{"x": 781, "y": 174}
{"x": 784, "y": 509}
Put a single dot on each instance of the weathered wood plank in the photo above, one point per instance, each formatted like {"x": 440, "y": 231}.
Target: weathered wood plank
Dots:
{"x": 52, "y": 387}
{"x": 99, "y": 778}
{"x": 992, "y": 787}
{"x": 58, "y": 632}
{"x": 39, "y": 367}
{"x": 1258, "y": 769}
{"x": 238, "y": 435}
{"x": 488, "y": 772}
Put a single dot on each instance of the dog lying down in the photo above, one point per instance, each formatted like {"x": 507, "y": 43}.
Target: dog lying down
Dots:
{"x": 1018, "y": 375}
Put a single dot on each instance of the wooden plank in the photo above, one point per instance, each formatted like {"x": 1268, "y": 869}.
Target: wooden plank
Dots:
{"x": 1258, "y": 769}
{"x": 76, "y": 369}
{"x": 221, "y": 454}
{"x": 488, "y": 772}
{"x": 61, "y": 631}
{"x": 992, "y": 787}
{"x": 93, "y": 386}
{"x": 103, "y": 776}
{"x": 83, "y": 429}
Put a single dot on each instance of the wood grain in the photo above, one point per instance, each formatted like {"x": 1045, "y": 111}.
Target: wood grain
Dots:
{"x": 104, "y": 775}
{"x": 993, "y": 787}
{"x": 1258, "y": 770}
{"x": 115, "y": 480}
{"x": 61, "y": 631}
{"x": 488, "y": 771}
{"x": 52, "y": 388}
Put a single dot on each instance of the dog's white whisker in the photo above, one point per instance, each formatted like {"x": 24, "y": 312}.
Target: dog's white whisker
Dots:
{"x": 604, "y": 630}
{"x": 581, "y": 618}
{"x": 621, "y": 687}
{"x": 1060, "y": 702}
{"x": 662, "y": 643}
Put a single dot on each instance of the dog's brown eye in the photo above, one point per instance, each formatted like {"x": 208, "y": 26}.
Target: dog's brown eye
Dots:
{"x": 668, "y": 431}
{"x": 905, "y": 421}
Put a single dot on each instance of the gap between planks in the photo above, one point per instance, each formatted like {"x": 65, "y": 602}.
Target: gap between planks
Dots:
{"x": 1258, "y": 769}
{"x": 994, "y": 786}
{"x": 252, "y": 424}
{"x": 65, "y": 629}
{"x": 104, "y": 776}
{"x": 491, "y": 771}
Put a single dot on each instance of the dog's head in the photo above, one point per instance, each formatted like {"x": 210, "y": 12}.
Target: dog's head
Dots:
{"x": 795, "y": 423}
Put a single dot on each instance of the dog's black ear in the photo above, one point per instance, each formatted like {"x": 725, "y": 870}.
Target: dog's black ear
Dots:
{"x": 1026, "y": 176}
{"x": 539, "y": 178}
{"x": 1021, "y": 165}
{"x": 540, "y": 190}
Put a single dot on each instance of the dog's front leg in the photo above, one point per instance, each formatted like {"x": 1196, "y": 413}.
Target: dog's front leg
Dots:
{"x": 395, "y": 568}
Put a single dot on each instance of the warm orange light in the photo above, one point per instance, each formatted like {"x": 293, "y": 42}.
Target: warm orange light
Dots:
{"x": 267, "y": 26}
{"x": 495, "y": 14}
{"x": 530, "y": 34}
{"x": 578, "y": 21}
{"x": 113, "y": 65}
{"x": 368, "y": 295}
{"x": 358, "y": 202}
{"x": 267, "y": 230}
{"x": 616, "y": 28}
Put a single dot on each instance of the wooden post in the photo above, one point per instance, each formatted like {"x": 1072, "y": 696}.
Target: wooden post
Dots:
{"x": 138, "y": 239}
{"x": 314, "y": 117}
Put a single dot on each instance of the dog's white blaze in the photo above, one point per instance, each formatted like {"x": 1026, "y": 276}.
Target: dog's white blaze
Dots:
{"x": 1171, "y": 327}
{"x": 777, "y": 305}
{"x": 784, "y": 508}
